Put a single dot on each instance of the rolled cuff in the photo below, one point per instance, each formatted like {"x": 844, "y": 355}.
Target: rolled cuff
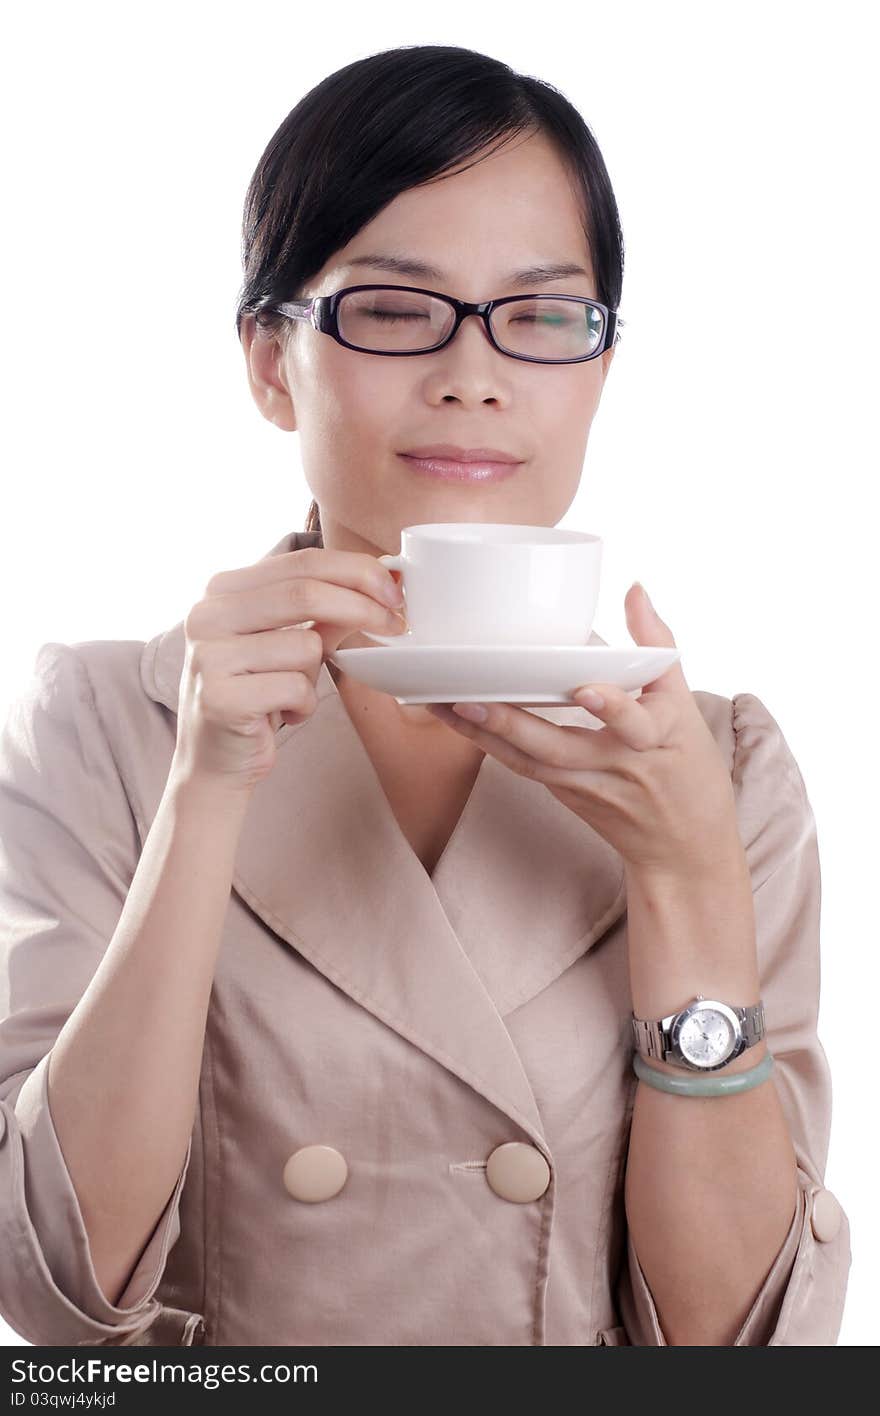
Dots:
{"x": 49, "y": 1292}
{"x": 800, "y": 1303}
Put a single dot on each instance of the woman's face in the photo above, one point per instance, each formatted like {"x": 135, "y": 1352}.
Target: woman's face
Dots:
{"x": 356, "y": 413}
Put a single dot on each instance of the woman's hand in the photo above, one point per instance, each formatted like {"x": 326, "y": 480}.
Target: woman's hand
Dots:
{"x": 255, "y": 643}
{"x": 652, "y": 781}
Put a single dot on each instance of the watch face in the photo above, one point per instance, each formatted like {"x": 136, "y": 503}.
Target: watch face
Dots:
{"x": 706, "y": 1037}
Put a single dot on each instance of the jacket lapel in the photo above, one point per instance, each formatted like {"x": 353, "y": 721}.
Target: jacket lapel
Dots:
{"x": 523, "y": 889}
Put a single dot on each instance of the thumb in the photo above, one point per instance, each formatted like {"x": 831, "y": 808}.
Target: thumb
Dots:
{"x": 649, "y": 630}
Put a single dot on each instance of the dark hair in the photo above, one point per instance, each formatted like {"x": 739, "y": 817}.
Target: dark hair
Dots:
{"x": 381, "y": 125}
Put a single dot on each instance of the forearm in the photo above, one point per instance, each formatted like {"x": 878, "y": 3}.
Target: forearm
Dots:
{"x": 124, "y": 1070}
{"x": 711, "y": 1182}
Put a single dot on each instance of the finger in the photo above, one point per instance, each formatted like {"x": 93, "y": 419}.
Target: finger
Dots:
{"x": 639, "y": 725}
{"x": 505, "y": 752}
{"x": 650, "y": 631}
{"x": 529, "y": 743}
{"x": 357, "y": 570}
{"x": 295, "y": 601}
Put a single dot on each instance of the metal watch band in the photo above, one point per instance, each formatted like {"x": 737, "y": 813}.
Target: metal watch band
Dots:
{"x": 649, "y": 1038}
{"x": 752, "y": 1019}
{"x": 651, "y": 1035}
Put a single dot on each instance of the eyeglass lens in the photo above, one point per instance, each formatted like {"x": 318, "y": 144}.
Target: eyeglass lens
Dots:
{"x": 395, "y": 320}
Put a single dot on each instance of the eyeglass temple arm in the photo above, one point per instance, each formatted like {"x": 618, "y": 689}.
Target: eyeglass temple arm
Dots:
{"x": 296, "y": 309}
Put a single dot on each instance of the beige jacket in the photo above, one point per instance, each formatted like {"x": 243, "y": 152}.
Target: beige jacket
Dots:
{"x": 436, "y": 1045}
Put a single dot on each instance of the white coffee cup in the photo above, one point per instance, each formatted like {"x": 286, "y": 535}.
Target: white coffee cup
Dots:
{"x": 473, "y": 582}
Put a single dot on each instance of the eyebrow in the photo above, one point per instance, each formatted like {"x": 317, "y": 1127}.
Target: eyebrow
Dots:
{"x": 529, "y": 275}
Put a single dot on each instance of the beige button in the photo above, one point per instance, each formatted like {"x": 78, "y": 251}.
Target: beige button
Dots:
{"x": 517, "y": 1171}
{"x": 826, "y": 1216}
{"x": 315, "y": 1173}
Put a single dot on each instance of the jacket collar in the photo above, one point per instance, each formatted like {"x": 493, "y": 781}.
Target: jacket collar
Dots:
{"x": 523, "y": 889}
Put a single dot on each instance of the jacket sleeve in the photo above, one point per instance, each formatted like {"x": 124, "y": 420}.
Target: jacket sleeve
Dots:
{"x": 68, "y": 852}
{"x": 801, "y": 1301}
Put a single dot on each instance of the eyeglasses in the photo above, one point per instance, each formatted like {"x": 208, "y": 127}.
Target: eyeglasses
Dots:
{"x": 401, "y": 320}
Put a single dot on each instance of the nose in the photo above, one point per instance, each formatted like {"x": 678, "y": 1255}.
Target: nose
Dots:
{"x": 481, "y": 325}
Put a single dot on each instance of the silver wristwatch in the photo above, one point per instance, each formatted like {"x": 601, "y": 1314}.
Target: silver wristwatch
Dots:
{"x": 704, "y": 1036}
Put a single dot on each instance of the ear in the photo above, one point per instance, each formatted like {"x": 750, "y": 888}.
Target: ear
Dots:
{"x": 605, "y": 361}
{"x": 267, "y": 374}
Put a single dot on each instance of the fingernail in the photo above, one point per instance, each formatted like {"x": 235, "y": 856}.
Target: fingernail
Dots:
{"x": 472, "y": 712}
{"x": 590, "y": 698}
{"x": 646, "y": 595}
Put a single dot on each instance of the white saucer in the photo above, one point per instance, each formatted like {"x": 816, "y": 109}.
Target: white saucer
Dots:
{"x": 538, "y": 674}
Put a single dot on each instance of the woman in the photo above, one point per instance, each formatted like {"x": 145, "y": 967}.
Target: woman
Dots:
{"x": 320, "y": 1022}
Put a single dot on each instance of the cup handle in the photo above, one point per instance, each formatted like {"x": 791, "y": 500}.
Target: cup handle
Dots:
{"x": 392, "y": 563}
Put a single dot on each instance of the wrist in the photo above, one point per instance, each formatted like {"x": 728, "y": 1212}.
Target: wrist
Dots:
{"x": 690, "y": 937}
{"x": 190, "y": 793}
{"x": 723, "y": 868}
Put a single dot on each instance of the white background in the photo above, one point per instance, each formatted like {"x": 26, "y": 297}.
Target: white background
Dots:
{"x": 733, "y": 462}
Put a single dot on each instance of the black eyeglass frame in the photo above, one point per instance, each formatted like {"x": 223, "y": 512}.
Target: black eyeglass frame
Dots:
{"x": 321, "y": 313}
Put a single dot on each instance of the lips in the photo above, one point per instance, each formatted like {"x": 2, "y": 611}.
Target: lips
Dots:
{"x": 457, "y": 469}
{"x": 449, "y": 452}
